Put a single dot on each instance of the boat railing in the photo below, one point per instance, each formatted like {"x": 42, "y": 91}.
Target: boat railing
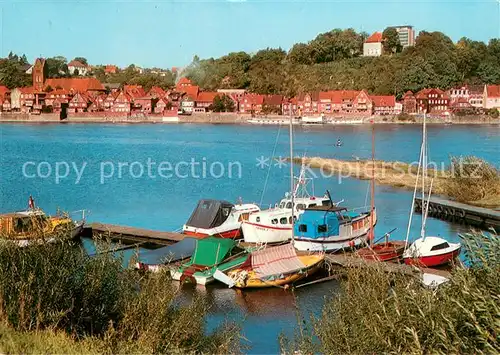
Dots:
{"x": 81, "y": 213}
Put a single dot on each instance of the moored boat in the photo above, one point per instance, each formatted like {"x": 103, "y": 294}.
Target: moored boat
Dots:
{"x": 330, "y": 229}
{"x": 386, "y": 251}
{"x": 271, "y": 267}
{"x": 431, "y": 251}
{"x": 218, "y": 218}
{"x": 157, "y": 259}
{"x": 274, "y": 225}
{"x": 209, "y": 255}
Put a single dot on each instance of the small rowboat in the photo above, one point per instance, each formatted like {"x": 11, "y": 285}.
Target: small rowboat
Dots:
{"x": 386, "y": 251}
{"x": 278, "y": 266}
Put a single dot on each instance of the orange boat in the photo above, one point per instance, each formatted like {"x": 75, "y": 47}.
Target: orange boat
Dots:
{"x": 386, "y": 251}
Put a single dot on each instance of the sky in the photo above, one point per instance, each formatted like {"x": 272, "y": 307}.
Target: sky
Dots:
{"x": 165, "y": 33}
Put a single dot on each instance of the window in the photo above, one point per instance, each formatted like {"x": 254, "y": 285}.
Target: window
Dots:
{"x": 283, "y": 220}
{"x": 326, "y": 203}
{"x": 311, "y": 205}
{"x": 303, "y": 228}
{"x": 257, "y": 219}
{"x": 301, "y": 206}
{"x": 322, "y": 228}
{"x": 274, "y": 221}
{"x": 243, "y": 217}
{"x": 289, "y": 205}
{"x": 440, "y": 246}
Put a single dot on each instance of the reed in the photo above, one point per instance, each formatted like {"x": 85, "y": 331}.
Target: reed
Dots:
{"x": 54, "y": 297}
{"x": 380, "y": 313}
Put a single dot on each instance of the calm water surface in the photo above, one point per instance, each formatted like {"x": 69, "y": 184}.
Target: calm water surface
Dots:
{"x": 166, "y": 203}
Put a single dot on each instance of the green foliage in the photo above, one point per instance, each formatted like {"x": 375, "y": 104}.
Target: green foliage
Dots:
{"x": 12, "y": 72}
{"x": 332, "y": 61}
{"x": 377, "y": 313}
{"x": 391, "y": 42}
{"x": 222, "y": 103}
{"x": 493, "y": 112}
{"x": 57, "y": 67}
{"x": 131, "y": 76}
{"x": 53, "y": 294}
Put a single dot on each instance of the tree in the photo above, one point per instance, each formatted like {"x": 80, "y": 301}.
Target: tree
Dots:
{"x": 300, "y": 54}
{"x": 49, "y": 88}
{"x": 12, "y": 73}
{"x": 57, "y": 67}
{"x": 391, "y": 43}
{"x": 76, "y": 72}
{"x": 222, "y": 103}
{"x": 82, "y": 60}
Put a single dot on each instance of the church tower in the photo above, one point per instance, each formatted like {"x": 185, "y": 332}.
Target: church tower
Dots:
{"x": 38, "y": 74}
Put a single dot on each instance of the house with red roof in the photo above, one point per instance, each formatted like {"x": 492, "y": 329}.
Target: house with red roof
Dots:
{"x": 74, "y": 85}
{"x": 110, "y": 69}
{"x": 156, "y": 92}
{"x": 383, "y": 105}
{"x": 161, "y": 105}
{"x": 4, "y": 98}
{"x": 98, "y": 104}
{"x": 251, "y": 103}
{"x": 432, "y": 101}
{"x": 57, "y": 98}
{"x": 110, "y": 99}
{"x": 290, "y": 104}
{"x": 77, "y": 68}
{"x": 5, "y": 107}
{"x": 79, "y": 103}
{"x": 273, "y": 104}
{"x": 134, "y": 90}
{"x": 491, "y": 97}
{"x": 187, "y": 103}
{"x": 122, "y": 103}
{"x": 373, "y": 47}
{"x": 143, "y": 104}
{"x": 409, "y": 103}
{"x": 183, "y": 82}
{"x": 204, "y": 100}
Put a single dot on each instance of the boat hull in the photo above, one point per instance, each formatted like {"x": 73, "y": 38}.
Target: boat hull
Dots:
{"x": 433, "y": 260}
{"x": 231, "y": 234}
{"x": 329, "y": 245}
{"x": 390, "y": 251}
{"x": 259, "y": 233}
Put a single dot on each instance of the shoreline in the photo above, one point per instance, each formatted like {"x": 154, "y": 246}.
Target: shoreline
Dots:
{"x": 234, "y": 119}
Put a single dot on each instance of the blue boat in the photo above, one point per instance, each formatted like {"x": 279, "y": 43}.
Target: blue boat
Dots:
{"x": 330, "y": 229}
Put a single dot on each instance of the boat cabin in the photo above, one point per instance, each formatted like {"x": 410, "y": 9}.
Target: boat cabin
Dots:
{"x": 325, "y": 221}
{"x": 301, "y": 203}
{"x": 25, "y": 222}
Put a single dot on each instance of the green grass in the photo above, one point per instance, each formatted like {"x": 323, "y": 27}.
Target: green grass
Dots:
{"x": 380, "y": 313}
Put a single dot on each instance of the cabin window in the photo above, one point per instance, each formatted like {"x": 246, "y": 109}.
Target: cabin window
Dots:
{"x": 440, "y": 246}
{"x": 301, "y": 206}
{"x": 311, "y": 205}
{"x": 282, "y": 205}
{"x": 303, "y": 228}
{"x": 283, "y": 220}
{"x": 322, "y": 228}
{"x": 226, "y": 211}
{"x": 289, "y": 205}
{"x": 274, "y": 221}
{"x": 290, "y": 221}
{"x": 326, "y": 203}
{"x": 243, "y": 217}
{"x": 257, "y": 219}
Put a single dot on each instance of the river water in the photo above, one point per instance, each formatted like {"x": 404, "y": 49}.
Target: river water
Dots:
{"x": 151, "y": 176}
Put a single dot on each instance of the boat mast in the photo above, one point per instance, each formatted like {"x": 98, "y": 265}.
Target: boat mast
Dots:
{"x": 291, "y": 171}
{"x": 372, "y": 202}
{"x": 424, "y": 172}
{"x": 414, "y": 196}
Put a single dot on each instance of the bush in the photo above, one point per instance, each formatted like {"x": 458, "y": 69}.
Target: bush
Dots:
{"x": 380, "y": 313}
{"x": 59, "y": 289}
{"x": 493, "y": 112}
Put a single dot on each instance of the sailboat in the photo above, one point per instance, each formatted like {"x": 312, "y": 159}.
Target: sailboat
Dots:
{"x": 387, "y": 250}
{"x": 274, "y": 266}
{"x": 427, "y": 251}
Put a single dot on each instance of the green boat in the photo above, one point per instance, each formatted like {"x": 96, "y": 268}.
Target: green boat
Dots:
{"x": 210, "y": 254}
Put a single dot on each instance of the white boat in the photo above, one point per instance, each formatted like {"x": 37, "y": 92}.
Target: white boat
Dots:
{"x": 427, "y": 251}
{"x": 218, "y": 218}
{"x": 330, "y": 229}
{"x": 274, "y": 225}
{"x": 313, "y": 119}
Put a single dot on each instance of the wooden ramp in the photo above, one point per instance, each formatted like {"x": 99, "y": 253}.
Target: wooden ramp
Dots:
{"x": 136, "y": 234}
{"x": 352, "y": 260}
{"x": 460, "y": 212}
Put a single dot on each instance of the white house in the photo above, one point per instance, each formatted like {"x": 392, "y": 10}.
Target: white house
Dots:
{"x": 373, "y": 45}
{"x": 76, "y": 65}
{"x": 491, "y": 96}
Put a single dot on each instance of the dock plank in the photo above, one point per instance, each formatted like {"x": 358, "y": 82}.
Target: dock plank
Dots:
{"x": 136, "y": 232}
{"x": 351, "y": 260}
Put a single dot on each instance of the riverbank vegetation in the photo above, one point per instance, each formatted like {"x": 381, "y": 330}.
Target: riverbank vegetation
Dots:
{"x": 467, "y": 179}
{"x": 376, "y": 312}
{"x": 56, "y": 298}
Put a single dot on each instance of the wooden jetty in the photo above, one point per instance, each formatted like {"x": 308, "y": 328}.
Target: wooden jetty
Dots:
{"x": 352, "y": 260}
{"x": 135, "y": 234}
{"x": 460, "y": 213}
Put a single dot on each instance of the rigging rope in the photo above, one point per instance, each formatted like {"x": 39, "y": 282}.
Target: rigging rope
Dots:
{"x": 270, "y": 165}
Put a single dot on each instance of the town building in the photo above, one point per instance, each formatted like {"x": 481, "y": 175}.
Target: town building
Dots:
{"x": 432, "y": 101}
{"x": 251, "y": 103}
{"x": 74, "y": 85}
{"x": 204, "y": 100}
{"x": 273, "y": 104}
{"x": 491, "y": 97}
{"x": 161, "y": 106}
{"x": 77, "y": 68}
{"x": 409, "y": 103}
{"x": 372, "y": 47}
{"x": 187, "y": 103}
{"x": 383, "y": 105}
{"x": 79, "y": 103}
{"x": 122, "y": 103}
{"x": 110, "y": 69}
{"x": 406, "y": 35}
